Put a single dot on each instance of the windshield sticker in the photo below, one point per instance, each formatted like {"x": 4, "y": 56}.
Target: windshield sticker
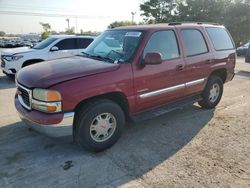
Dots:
{"x": 133, "y": 34}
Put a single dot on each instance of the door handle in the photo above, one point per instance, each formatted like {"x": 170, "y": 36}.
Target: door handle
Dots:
{"x": 180, "y": 67}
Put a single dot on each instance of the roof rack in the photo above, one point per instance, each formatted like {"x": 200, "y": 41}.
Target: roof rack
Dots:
{"x": 175, "y": 23}
{"x": 200, "y": 23}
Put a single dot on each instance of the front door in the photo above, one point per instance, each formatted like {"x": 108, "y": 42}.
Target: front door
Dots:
{"x": 156, "y": 85}
{"x": 66, "y": 48}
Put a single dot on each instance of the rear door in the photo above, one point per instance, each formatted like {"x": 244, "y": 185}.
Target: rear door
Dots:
{"x": 83, "y": 43}
{"x": 66, "y": 48}
{"x": 197, "y": 59}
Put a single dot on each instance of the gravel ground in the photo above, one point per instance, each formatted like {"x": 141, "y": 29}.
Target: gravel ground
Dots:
{"x": 190, "y": 147}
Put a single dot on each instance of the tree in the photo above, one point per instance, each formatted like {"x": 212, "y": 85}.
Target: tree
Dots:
{"x": 234, "y": 14}
{"x": 45, "y": 35}
{"x": 237, "y": 21}
{"x": 89, "y": 33}
{"x": 201, "y": 10}
{"x": 2, "y": 33}
{"x": 120, "y": 23}
{"x": 70, "y": 31}
{"x": 158, "y": 11}
{"x": 46, "y": 28}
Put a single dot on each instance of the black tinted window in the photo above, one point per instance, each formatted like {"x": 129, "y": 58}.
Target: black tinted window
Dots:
{"x": 194, "y": 43}
{"x": 66, "y": 44}
{"x": 163, "y": 42}
{"x": 45, "y": 43}
{"x": 220, "y": 38}
{"x": 84, "y": 42}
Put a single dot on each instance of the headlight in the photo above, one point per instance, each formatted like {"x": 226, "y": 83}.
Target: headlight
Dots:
{"x": 46, "y": 100}
{"x": 12, "y": 58}
{"x": 46, "y": 95}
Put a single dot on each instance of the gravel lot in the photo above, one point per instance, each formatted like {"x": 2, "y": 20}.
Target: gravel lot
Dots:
{"x": 190, "y": 147}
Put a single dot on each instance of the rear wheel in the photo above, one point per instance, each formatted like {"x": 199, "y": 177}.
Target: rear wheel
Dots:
{"x": 212, "y": 93}
{"x": 98, "y": 125}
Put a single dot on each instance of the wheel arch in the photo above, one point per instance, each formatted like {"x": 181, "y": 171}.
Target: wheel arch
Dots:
{"x": 117, "y": 97}
{"x": 31, "y": 61}
{"x": 222, "y": 73}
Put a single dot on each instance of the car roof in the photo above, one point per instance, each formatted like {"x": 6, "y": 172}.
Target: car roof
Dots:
{"x": 168, "y": 26}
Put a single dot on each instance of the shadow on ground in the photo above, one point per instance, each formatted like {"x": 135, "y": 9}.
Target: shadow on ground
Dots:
{"x": 29, "y": 159}
{"x": 7, "y": 82}
{"x": 243, "y": 73}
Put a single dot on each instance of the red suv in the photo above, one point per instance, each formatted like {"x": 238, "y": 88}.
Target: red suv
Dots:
{"x": 125, "y": 73}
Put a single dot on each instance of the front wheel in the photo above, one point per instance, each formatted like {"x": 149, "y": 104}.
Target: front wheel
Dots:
{"x": 99, "y": 125}
{"x": 212, "y": 93}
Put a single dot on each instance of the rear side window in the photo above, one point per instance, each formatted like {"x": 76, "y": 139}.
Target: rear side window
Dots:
{"x": 220, "y": 38}
{"x": 194, "y": 42}
{"x": 67, "y": 44}
{"x": 84, "y": 42}
{"x": 163, "y": 42}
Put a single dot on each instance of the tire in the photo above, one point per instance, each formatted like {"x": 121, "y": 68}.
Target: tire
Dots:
{"x": 100, "y": 117}
{"x": 212, "y": 93}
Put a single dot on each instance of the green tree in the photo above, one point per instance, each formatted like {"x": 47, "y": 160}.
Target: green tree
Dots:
{"x": 120, "y": 23}
{"x": 237, "y": 21}
{"x": 45, "y": 35}
{"x": 46, "y": 28}
{"x": 158, "y": 11}
{"x": 89, "y": 33}
{"x": 2, "y": 33}
{"x": 201, "y": 10}
{"x": 234, "y": 14}
{"x": 70, "y": 31}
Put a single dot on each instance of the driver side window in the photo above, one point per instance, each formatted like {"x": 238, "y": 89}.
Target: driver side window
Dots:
{"x": 67, "y": 44}
{"x": 163, "y": 42}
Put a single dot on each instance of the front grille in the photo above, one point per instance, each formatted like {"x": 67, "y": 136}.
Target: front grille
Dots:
{"x": 24, "y": 96}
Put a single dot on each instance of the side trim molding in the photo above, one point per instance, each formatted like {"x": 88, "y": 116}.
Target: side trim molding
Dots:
{"x": 171, "y": 89}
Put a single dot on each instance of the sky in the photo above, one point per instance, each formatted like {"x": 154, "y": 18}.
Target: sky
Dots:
{"x": 94, "y": 15}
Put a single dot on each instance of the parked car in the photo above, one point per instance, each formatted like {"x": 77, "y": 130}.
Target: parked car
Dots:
{"x": 241, "y": 51}
{"x": 125, "y": 73}
{"x": 9, "y": 44}
{"x": 247, "y": 57}
{"x": 54, "y": 47}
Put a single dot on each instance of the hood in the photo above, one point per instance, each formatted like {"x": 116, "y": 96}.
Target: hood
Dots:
{"x": 48, "y": 73}
{"x": 14, "y": 51}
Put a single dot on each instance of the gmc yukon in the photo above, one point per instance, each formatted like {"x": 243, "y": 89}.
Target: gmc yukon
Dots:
{"x": 127, "y": 72}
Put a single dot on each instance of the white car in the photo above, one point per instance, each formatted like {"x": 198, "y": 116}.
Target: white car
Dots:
{"x": 54, "y": 47}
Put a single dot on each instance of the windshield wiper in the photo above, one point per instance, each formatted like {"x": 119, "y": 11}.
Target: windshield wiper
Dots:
{"x": 103, "y": 58}
{"x": 98, "y": 57}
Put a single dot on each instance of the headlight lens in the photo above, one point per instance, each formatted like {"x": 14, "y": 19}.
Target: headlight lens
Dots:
{"x": 46, "y": 95}
{"x": 47, "y": 100}
{"x": 13, "y": 58}
{"x": 49, "y": 107}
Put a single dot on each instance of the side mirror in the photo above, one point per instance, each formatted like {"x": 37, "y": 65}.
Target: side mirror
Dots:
{"x": 54, "y": 48}
{"x": 152, "y": 58}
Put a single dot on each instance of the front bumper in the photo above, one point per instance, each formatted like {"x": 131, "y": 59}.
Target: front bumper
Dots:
{"x": 10, "y": 68}
{"x": 62, "y": 127}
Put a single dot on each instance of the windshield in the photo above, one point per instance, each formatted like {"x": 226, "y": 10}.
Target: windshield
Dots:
{"x": 116, "y": 45}
{"x": 45, "y": 43}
